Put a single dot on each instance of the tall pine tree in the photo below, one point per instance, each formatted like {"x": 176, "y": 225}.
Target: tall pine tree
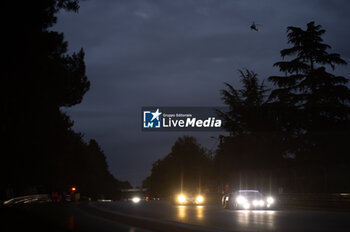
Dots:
{"x": 312, "y": 104}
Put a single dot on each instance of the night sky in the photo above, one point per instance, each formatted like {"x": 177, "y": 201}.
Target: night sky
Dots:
{"x": 177, "y": 53}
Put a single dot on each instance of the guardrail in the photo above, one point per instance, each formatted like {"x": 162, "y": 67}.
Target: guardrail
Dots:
{"x": 316, "y": 200}
{"x": 27, "y": 199}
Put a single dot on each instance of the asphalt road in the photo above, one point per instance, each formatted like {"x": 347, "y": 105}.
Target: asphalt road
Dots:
{"x": 163, "y": 216}
{"x": 57, "y": 217}
{"x": 214, "y": 218}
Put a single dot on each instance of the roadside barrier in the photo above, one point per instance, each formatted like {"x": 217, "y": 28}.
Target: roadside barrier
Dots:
{"x": 315, "y": 200}
{"x": 27, "y": 199}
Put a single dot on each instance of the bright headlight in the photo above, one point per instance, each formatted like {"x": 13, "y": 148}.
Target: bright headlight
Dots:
{"x": 241, "y": 200}
{"x": 270, "y": 200}
{"x": 199, "y": 199}
{"x": 246, "y": 205}
{"x": 261, "y": 203}
{"x": 255, "y": 202}
{"x": 181, "y": 198}
{"x": 136, "y": 199}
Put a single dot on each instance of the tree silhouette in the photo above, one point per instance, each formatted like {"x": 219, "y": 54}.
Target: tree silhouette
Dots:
{"x": 251, "y": 151}
{"x": 245, "y": 104}
{"x": 311, "y": 104}
{"x": 38, "y": 146}
{"x": 308, "y": 85}
{"x": 187, "y": 165}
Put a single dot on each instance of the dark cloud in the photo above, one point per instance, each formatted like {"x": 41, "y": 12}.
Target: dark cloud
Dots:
{"x": 177, "y": 53}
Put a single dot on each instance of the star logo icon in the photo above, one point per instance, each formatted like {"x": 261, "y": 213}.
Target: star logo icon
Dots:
{"x": 156, "y": 115}
{"x": 152, "y": 118}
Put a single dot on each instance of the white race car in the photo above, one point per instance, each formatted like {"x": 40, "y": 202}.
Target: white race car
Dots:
{"x": 247, "y": 199}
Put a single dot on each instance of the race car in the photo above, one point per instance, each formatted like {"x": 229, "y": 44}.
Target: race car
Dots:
{"x": 188, "y": 199}
{"x": 247, "y": 199}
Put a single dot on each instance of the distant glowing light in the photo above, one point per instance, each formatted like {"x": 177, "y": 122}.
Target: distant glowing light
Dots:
{"x": 246, "y": 205}
{"x": 241, "y": 200}
{"x": 181, "y": 198}
{"x": 261, "y": 203}
{"x": 270, "y": 200}
{"x": 136, "y": 199}
{"x": 199, "y": 199}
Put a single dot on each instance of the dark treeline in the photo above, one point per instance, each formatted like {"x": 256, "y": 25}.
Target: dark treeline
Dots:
{"x": 293, "y": 137}
{"x": 39, "y": 150}
{"x": 187, "y": 167}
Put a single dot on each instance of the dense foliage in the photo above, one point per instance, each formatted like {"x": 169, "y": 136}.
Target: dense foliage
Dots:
{"x": 186, "y": 167}
{"x": 39, "y": 149}
{"x": 293, "y": 137}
